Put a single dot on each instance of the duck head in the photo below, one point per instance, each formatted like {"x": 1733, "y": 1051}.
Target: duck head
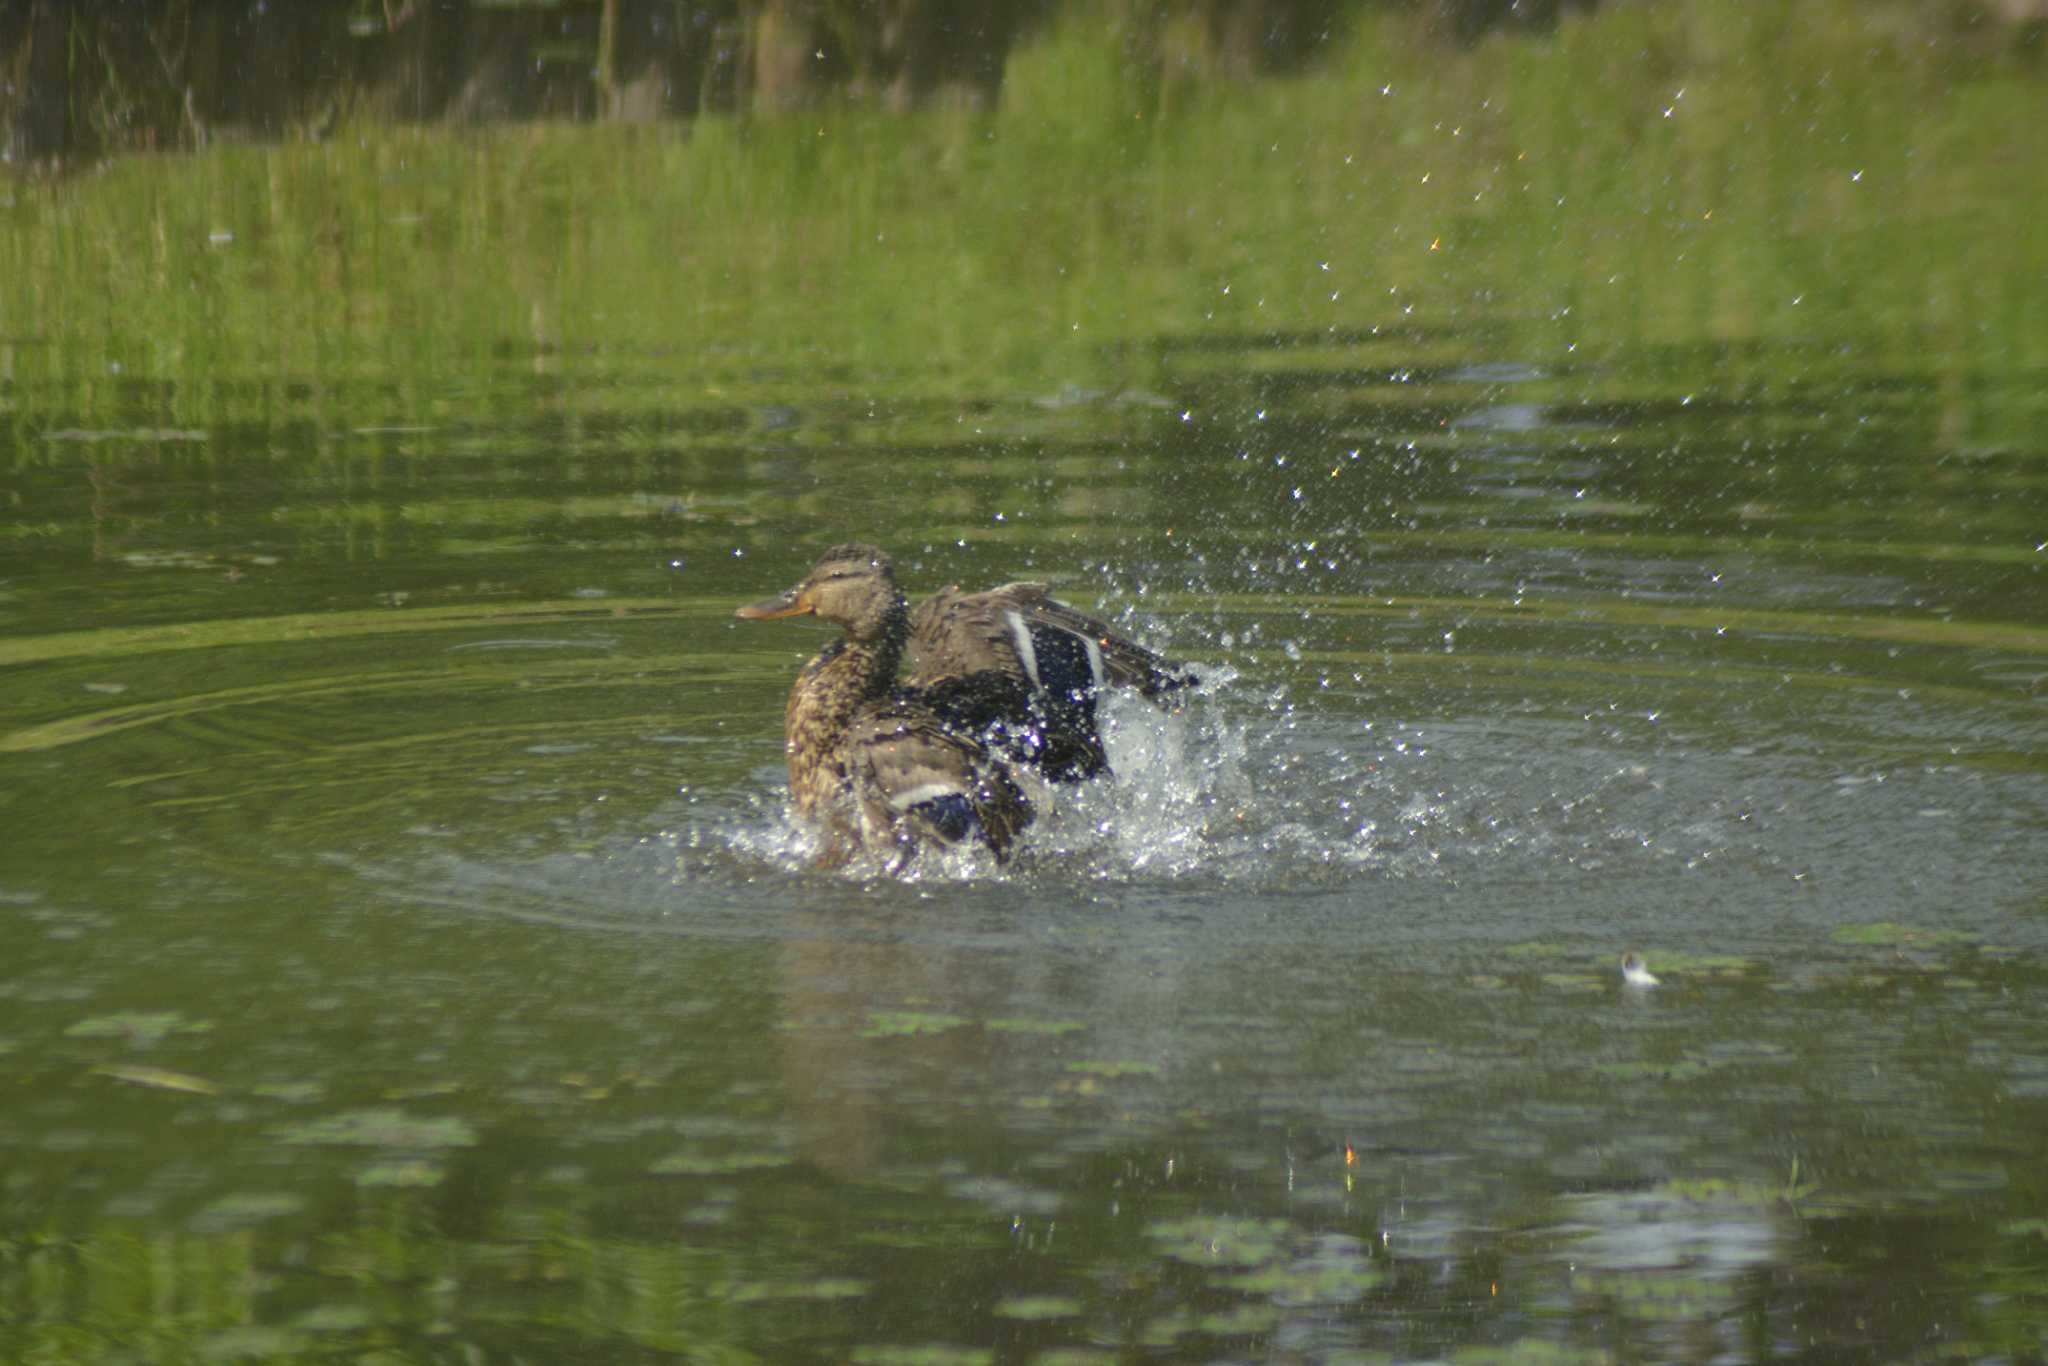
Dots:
{"x": 852, "y": 586}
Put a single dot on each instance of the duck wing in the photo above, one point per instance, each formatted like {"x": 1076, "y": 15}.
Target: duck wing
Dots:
{"x": 1021, "y": 629}
{"x": 1053, "y": 733}
{"x": 915, "y": 780}
{"x": 1023, "y": 668}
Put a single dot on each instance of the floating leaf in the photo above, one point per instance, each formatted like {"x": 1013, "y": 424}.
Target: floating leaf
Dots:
{"x": 381, "y": 1128}
{"x": 824, "y": 1288}
{"x": 1166, "y": 1330}
{"x": 1302, "y": 1285}
{"x": 1574, "y": 981}
{"x": 297, "y": 1092}
{"x": 252, "y": 1343}
{"x": 715, "y": 1164}
{"x": 1037, "y": 1307}
{"x": 1531, "y": 1352}
{"x": 429, "y": 1090}
{"x": 1970, "y": 1180}
{"x": 1704, "y": 964}
{"x": 886, "y": 1024}
{"x": 137, "y": 1026}
{"x": 1120, "y": 1067}
{"x": 1013, "y": 1025}
{"x": 1244, "y": 1319}
{"x": 162, "y": 1078}
{"x": 334, "y": 1318}
{"x": 930, "y": 1354}
{"x": 402, "y": 1174}
{"x": 1714, "y": 1190}
{"x": 245, "y": 1210}
{"x": 1216, "y": 1240}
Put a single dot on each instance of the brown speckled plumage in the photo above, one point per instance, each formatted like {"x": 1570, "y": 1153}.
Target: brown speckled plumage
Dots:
{"x": 998, "y": 678}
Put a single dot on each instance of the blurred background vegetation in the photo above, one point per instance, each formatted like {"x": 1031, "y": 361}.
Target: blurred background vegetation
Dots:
{"x": 1753, "y": 200}
{"x": 1726, "y": 172}
{"x": 83, "y": 77}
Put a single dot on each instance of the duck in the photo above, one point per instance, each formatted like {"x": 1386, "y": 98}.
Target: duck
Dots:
{"x": 1636, "y": 972}
{"x": 998, "y": 682}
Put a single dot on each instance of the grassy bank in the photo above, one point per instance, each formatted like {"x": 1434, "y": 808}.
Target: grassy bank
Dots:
{"x": 1713, "y": 175}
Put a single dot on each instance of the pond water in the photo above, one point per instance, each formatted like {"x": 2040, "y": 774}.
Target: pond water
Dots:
{"x": 409, "y": 956}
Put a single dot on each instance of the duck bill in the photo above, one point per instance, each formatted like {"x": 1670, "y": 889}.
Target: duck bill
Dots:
{"x": 790, "y": 604}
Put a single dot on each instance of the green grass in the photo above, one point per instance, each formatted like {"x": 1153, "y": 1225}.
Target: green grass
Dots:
{"x": 1819, "y": 179}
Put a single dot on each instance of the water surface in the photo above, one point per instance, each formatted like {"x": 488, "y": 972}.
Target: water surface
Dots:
{"x": 408, "y": 952}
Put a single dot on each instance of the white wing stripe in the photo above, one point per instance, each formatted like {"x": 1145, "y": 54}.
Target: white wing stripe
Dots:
{"x": 925, "y": 792}
{"x": 1027, "y": 654}
{"x": 1095, "y": 669}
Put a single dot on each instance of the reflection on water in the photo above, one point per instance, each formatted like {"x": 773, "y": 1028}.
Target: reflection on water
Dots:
{"x": 485, "y": 951}
{"x": 459, "y": 931}
{"x": 408, "y": 949}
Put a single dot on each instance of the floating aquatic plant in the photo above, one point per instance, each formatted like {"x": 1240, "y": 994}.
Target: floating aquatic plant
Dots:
{"x": 381, "y": 1127}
